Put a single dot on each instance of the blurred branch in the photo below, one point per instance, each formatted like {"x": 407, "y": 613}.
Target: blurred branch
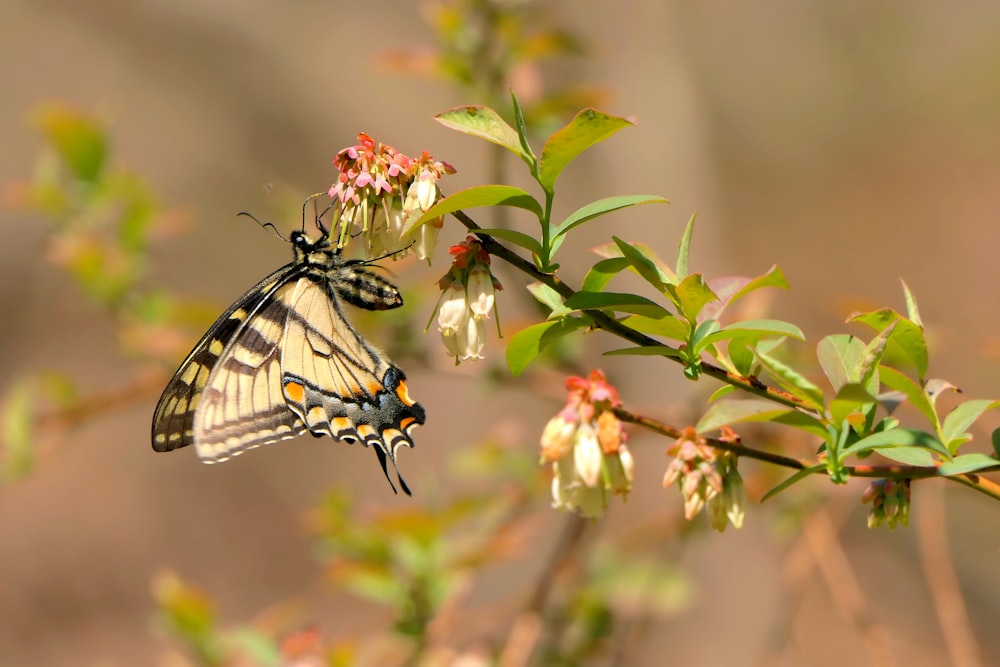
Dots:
{"x": 943, "y": 584}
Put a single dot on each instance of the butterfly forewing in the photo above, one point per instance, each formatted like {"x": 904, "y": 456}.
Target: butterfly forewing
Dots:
{"x": 283, "y": 360}
{"x": 243, "y": 405}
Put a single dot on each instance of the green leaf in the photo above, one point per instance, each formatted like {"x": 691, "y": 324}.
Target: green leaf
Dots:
{"x": 257, "y": 646}
{"x": 755, "y": 329}
{"x": 967, "y": 463}
{"x": 912, "y": 312}
{"x": 664, "y": 273}
{"x": 479, "y": 195}
{"x": 840, "y": 357}
{"x": 701, "y": 332}
{"x": 525, "y": 345}
{"x": 851, "y": 398}
{"x": 646, "y": 351}
{"x": 955, "y": 425}
{"x": 684, "y": 250}
{"x": 548, "y": 297}
{"x": 485, "y": 123}
{"x": 587, "y": 128}
{"x": 741, "y": 354}
{"x": 601, "y": 273}
{"x": 995, "y": 439}
{"x": 911, "y": 456}
{"x": 522, "y": 132}
{"x": 602, "y": 207}
{"x": 897, "y": 437}
{"x": 692, "y": 295}
{"x": 797, "y": 477}
{"x": 515, "y": 237}
{"x": 78, "y": 139}
{"x": 907, "y": 338}
{"x": 665, "y": 326}
{"x": 733, "y": 411}
{"x": 791, "y": 380}
{"x": 643, "y": 265}
{"x": 625, "y": 303}
{"x": 914, "y": 393}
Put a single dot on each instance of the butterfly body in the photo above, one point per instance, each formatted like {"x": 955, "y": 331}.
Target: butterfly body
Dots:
{"x": 283, "y": 360}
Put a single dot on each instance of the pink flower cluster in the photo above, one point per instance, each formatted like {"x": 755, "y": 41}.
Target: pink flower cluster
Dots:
{"x": 585, "y": 443}
{"x": 380, "y": 190}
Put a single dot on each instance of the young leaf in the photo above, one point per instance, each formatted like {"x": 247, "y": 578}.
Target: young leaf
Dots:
{"x": 914, "y": 393}
{"x": 479, "y": 195}
{"x": 692, "y": 295}
{"x": 664, "y": 326}
{"x": 758, "y": 410}
{"x": 906, "y": 339}
{"x": 626, "y": 303}
{"x": 911, "y": 456}
{"x": 840, "y": 357}
{"x": 646, "y": 351}
{"x": 522, "y": 132}
{"x": 525, "y": 345}
{"x": 851, "y": 398}
{"x": 602, "y": 207}
{"x": 642, "y": 264}
{"x": 485, "y": 123}
{"x": 797, "y": 477}
{"x": 791, "y": 380}
{"x": 586, "y": 129}
{"x": 912, "y": 312}
{"x": 548, "y": 297}
{"x": 515, "y": 237}
{"x": 897, "y": 437}
{"x": 967, "y": 463}
{"x": 953, "y": 430}
{"x": 601, "y": 273}
{"x": 756, "y": 329}
{"x": 684, "y": 251}
{"x": 612, "y": 251}
{"x": 702, "y": 331}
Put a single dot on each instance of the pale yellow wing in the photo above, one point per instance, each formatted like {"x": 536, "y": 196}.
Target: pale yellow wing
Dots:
{"x": 242, "y": 405}
{"x": 339, "y": 385}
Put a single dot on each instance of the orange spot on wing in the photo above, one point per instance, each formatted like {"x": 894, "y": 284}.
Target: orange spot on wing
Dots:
{"x": 403, "y": 393}
{"x": 406, "y": 423}
{"x": 295, "y": 392}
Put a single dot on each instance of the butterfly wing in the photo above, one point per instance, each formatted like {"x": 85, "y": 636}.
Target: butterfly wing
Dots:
{"x": 337, "y": 384}
{"x": 243, "y": 404}
{"x": 174, "y": 417}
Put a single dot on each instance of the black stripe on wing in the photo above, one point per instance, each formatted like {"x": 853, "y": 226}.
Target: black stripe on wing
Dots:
{"x": 173, "y": 419}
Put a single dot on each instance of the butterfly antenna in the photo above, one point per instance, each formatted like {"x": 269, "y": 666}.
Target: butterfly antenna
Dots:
{"x": 266, "y": 225}
{"x": 311, "y": 199}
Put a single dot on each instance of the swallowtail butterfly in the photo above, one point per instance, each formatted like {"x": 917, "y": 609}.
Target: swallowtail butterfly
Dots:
{"x": 283, "y": 360}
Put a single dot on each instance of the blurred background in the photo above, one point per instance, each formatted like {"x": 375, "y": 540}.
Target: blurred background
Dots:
{"x": 848, "y": 143}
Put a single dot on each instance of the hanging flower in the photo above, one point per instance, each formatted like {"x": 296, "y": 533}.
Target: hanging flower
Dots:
{"x": 708, "y": 478}
{"x": 379, "y": 189}
{"x": 585, "y": 443}
{"x": 468, "y": 295}
{"x": 890, "y": 501}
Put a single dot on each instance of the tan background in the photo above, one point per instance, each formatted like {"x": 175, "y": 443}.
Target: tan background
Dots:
{"x": 850, "y": 144}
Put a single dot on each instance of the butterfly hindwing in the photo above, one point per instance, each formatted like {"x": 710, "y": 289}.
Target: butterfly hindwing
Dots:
{"x": 338, "y": 384}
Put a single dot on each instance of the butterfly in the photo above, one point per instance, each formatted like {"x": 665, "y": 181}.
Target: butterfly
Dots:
{"x": 283, "y": 360}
